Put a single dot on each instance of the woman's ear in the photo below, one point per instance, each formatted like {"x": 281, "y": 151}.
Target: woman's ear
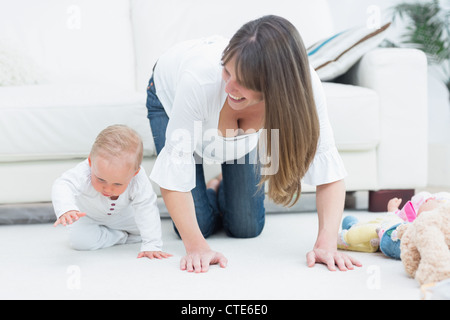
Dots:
{"x": 137, "y": 171}
{"x": 89, "y": 159}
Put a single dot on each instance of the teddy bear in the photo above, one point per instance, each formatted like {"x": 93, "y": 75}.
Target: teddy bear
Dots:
{"x": 425, "y": 245}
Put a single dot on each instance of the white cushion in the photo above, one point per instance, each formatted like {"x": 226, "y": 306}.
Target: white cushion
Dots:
{"x": 32, "y": 114}
{"x": 333, "y": 56}
{"x": 159, "y": 24}
{"x": 81, "y": 41}
{"x": 354, "y": 116}
{"x": 438, "y": 160}
{"x": 61, "y": 122}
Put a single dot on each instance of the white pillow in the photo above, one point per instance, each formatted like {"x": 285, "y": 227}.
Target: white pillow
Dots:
{"x": 16, "y": 68}
{"x": 334, "y": 56}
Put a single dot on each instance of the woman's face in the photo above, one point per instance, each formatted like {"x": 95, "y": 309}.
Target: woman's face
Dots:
{"x": 239, "y": 97}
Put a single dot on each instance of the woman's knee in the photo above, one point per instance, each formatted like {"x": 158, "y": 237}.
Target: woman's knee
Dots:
{"x": 244, "y": 226}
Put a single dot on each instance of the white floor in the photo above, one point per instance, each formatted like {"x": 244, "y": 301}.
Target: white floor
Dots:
{"x": 36, "y": 263}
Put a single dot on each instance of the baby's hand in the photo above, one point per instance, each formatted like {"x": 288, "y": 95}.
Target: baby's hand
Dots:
{"x": 154, "y": 254}
{"x": 69, "y": 217}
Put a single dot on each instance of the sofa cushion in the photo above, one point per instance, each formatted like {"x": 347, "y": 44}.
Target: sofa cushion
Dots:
{"x": 354, "y": 116}
{"x": 40, "y": 122}
{"x": 81, "y": 41}
{"x": 78, "y": 113}
{"x": 16, "y": 67}
{"x": 335, "y": 55}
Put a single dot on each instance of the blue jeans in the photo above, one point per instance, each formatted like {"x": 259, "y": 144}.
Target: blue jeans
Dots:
{"x": 238, "y": 206}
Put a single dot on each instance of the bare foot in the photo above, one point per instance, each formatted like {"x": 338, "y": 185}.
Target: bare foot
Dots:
{"x": 214, "y": 183}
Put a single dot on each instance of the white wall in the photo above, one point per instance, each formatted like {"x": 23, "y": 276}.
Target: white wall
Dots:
{"x": 349, "y": 13}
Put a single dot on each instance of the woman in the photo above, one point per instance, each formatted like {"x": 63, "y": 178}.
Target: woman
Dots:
{"x": 214, "y": 100}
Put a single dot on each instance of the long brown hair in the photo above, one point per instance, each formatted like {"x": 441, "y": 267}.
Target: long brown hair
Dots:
{"x": 271, "y": 58}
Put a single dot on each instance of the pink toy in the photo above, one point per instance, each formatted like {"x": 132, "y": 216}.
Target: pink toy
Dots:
{"x": 409, "y": 211}
{"x": 418, "y": 203}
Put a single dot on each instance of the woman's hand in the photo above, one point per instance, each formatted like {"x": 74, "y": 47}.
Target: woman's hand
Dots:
{"x": 199, "y": 261}
{"x": 331, "y": 258}
{"x": 199, "y": 255}
{"x": 330, "y": 200}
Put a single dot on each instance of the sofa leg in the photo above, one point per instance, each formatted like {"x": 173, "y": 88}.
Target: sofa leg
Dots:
{"x": 378, "y": 200}
{"x": 350, "y": 200}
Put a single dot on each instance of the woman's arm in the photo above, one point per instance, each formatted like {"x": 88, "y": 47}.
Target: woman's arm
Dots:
{"x": 198, "y": 253}
{"x": 330, "y": 200}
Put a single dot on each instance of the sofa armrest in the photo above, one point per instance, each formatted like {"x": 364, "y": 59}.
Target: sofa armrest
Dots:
{"x": 399, "y": 76}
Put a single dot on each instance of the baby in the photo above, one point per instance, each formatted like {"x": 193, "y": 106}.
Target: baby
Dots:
{"x": 110, "y": 197}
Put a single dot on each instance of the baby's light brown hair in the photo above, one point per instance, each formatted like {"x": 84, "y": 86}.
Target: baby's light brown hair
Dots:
{"x": 119, "y": 142}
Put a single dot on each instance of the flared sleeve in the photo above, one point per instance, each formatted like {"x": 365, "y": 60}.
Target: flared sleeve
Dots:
{"x": 326, "y": 167}
{"x": 174, "y": 170}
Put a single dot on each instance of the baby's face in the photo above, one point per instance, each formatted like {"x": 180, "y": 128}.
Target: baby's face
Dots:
{"x": 110, "y": 177}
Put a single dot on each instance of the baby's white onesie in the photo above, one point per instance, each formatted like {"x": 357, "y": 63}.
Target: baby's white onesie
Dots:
{"x": 108, "y": 222}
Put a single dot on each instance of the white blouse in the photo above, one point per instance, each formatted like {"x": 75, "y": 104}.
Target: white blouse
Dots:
{"x": 188, "y": 82}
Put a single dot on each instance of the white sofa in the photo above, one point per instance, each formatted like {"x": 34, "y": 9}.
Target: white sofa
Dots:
{"x": 85, "y": 64}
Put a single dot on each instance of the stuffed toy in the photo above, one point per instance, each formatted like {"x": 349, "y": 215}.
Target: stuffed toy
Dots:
{"x": 389, "y": 240}
{"x": 381, "y": 233}
{"x": 421, "y": 202}
{"x": 364, "y": 236}
{"x": 425, "y": 245}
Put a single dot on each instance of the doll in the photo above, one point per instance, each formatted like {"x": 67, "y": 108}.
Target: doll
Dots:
{"x": 363, "y": 236}
{"x": 421, "y": 202}
{"x": 381, "y": 233}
